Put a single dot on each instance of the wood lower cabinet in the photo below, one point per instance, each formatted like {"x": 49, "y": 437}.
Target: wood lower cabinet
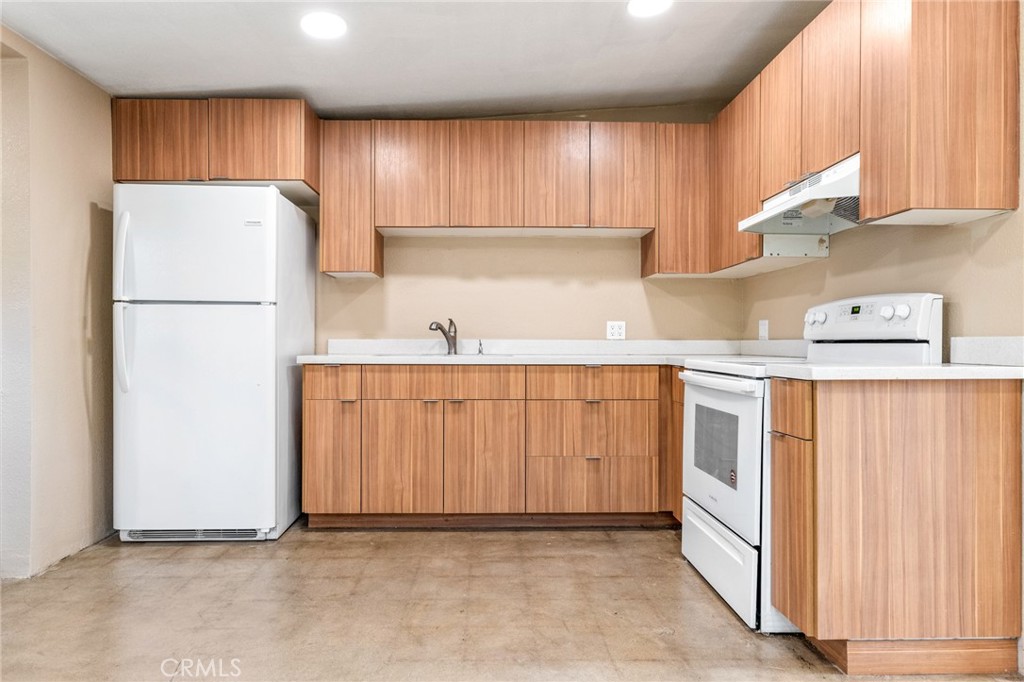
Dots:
{"x": 160, "y": 139}
{"x": 331, "y": 456}
{"x": 402, "y": 457}
{"x": 484, "y": 456}
{"x": 572, "y": 485}
{"x": 896, "y": 531}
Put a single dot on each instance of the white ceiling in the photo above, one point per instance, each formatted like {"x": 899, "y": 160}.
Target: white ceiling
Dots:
{"x": 404, "y": 59}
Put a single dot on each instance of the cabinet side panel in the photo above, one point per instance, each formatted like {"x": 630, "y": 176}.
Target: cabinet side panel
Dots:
{"x": 311, "y": 131}
{"x": 885, "y": 107}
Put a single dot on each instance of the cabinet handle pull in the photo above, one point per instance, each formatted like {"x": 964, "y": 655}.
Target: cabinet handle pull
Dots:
{"x": 432, "y": 401}
{"x": 348, "y": 400}
{"x": 592, "y": 458}
{"x": 457, "y": 400}
{"x": 592, "y": 366}
{"x": 592, "y": 402}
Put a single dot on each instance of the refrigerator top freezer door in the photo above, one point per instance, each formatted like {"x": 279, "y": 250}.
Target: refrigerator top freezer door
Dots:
{"x": 195, "y": 243}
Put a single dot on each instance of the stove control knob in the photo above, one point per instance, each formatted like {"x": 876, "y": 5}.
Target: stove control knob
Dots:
{"x": 903, "y": 311}
{"x": 887, "y": 312}
{"x": 809, "y": 318}
{"x": 820, "y": 317}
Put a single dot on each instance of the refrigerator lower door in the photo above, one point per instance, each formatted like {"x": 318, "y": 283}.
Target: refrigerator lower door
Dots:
{"x": 194, "y": 420}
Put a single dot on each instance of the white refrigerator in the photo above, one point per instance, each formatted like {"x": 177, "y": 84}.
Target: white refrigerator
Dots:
{"x": 213, "y": 300}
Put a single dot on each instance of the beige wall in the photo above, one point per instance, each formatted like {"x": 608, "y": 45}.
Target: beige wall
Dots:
{"x": 522, "y": 288}
{"x": 70, "y": 193}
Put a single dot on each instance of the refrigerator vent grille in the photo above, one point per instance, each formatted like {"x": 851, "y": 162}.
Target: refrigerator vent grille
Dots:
{"x": 200, "y": 534}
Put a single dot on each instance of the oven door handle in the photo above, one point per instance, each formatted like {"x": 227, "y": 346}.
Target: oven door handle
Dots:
{"x": 742, "y": 386}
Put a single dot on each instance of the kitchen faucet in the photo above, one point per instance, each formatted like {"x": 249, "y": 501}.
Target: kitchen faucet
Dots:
{"x": 451, "y": 335}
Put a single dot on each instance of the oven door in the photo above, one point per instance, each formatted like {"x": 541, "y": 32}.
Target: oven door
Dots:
{"x": 723, "y": 428}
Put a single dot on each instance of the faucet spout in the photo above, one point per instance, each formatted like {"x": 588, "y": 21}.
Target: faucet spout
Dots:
{"x": 451, "y": 335}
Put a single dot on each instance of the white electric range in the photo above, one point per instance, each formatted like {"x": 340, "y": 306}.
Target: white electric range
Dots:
{"x": 726, "y": 531}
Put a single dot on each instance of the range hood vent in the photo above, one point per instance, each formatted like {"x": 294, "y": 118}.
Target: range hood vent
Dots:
{"x": 825, "y": 203}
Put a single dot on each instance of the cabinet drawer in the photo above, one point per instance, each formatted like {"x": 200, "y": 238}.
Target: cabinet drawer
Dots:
{"x": 331, "y": 382}
{"x": 488, "y": 382}
{"x": 793, "y": 407}
{"x": 603, "y": 428}
{"x": 405, "y": 382}
{"x": 592, "y": 382}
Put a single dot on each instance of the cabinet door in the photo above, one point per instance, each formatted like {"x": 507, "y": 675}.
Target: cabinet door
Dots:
{"x": 411, "y": 173}
{"x": 160, "y": 139}
{"x": 349, "y": 243}
{"x": 330, "y": 456}
{"x": 623, "y": 167}
{"x": 402, "y": 456}
{"x": 556, "y": 485}
{"x": 781, "y": 88}
{"x": 617, "y": 428}
{"x": 553, "y": 428}
{"x": 831, "y": 86}
{"x": 556, "y": 174}
{"x": 794, "y": 576}
{"x": 485, "y": 457}
{"x": 680, "y": 242}
{"x": 487, "y": 173}
{"x": 735, "y": 163}
{"x": 264, "y": 139}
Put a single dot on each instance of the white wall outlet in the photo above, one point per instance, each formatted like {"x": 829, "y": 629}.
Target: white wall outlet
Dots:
{"x": 616, "y": 330}
{"x": 762, "y": 330}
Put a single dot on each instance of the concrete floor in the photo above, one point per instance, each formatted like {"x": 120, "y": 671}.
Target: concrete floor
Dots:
{"x": 322, "y": 605}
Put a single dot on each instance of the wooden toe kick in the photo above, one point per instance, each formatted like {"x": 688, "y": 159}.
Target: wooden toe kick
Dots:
{"x": 920, "y": 656}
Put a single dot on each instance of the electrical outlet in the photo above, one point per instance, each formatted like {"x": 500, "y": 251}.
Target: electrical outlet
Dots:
{"x": 616, "y": 330}
{"x": 762, "y": 330}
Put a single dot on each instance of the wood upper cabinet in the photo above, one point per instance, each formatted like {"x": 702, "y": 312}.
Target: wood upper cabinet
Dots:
{"x": 735, "y": 172}
{"x": 623, "y": 172}
{"x": 331, "y": 456}
{"x": 487, "y": 173}
{"x": 680, "y": 242}
{"x": 484, "y": 456}
{"x": 349, "y": 242}
{"x": 781, "y": 133}
{"x": 402, "y": 456}
{"x": 831, "y": 86}
{"x": 411, "y": 173}
{"x": 940, "y": 98}
{"x": 160, "y": 139}
{"x": 556, "y": 174}
{"x": 264, "y": 139}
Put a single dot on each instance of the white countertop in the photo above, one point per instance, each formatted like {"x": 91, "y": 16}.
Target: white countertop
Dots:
{"x": 672, "y": 353}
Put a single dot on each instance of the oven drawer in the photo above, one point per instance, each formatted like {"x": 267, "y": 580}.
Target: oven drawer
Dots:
{"x": 727, "y": 562}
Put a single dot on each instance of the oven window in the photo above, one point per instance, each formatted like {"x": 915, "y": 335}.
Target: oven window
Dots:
{"x": 716, "y": 443}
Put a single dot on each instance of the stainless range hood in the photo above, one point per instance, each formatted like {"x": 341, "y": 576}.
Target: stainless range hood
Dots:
{"x": 825, "y": 203}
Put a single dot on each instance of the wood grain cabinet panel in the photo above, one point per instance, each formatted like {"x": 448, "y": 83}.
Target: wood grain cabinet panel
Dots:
{"x": 160, "y": 139}
{"x": 411, "y": 382}
{"x": 781, "y": 103}
{"x": 487, "y": 382}
{"x": 735, "y": 184}
{"x": 331, "y": 440}
{"x": 940, "y": 114}
{"x": 616, "y": 382}
{"x": 485, "y": 457}
{"x": 411, "y": 173}
{"x": 556, "y": 174}
{"x": 680, "y": 243}
{"x": 793, "y": 407}
{"x": 556, "y": 485}
{"x": 554, "y": 428}
{"x": 349, "y": 243}
{"x": 830, "y": 118}
{"x": 618, "y": 428}
{"x": 332, "y": 382}
{"x": 402, "y": 457}
{"x": 264, "y": 139}
{"x": 550, "y": 382}
{"x": 623, "y": 175}
{"x": 487, "y": 173}
{"x": 632, "y": 484}
{"x": 794, "y": 532}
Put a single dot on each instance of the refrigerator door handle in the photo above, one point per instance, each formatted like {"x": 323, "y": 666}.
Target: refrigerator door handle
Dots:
{"x": 120, "y": 351}
{"x": 120, "y": 247}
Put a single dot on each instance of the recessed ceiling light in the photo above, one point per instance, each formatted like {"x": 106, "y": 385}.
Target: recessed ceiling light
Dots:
{"x": 324, "y": 25}
{"x": 647, "y": 8}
